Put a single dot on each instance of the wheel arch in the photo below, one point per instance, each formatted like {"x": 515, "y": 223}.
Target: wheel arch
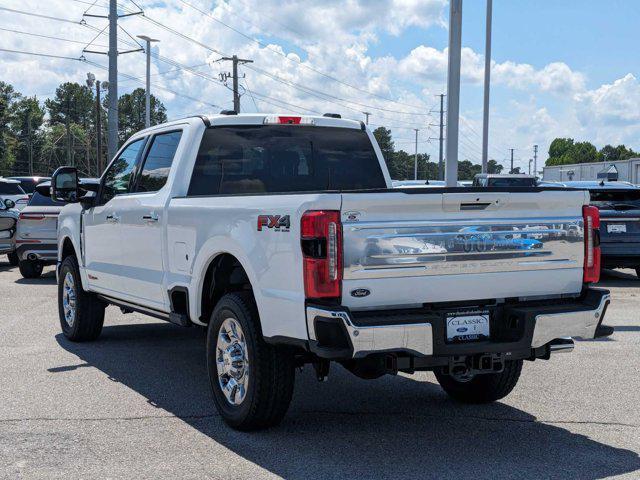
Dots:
{"x": 222, "y": 273}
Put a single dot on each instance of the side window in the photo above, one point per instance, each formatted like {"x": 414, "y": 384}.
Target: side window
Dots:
{"x": 118, "y": 176}
{"x": 158, "y": 162}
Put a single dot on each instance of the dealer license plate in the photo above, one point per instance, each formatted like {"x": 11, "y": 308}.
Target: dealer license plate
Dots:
{"x": 467, "y": 326}
{"x": 616, "y": 228}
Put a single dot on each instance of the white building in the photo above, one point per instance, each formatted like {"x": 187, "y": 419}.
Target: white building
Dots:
{"x": 625, "y": 170}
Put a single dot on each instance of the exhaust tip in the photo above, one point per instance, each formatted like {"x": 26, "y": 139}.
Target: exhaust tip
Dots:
{"x": 561, "y": 345}
{"x": 32, "y": 256}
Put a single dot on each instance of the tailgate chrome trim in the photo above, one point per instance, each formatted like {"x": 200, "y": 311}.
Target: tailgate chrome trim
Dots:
{"x": 468, "y": 246}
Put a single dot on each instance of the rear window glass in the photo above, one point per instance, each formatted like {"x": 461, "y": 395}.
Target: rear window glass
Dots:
{"x": 158, "y": 163}
{"x": 8, "y": 188}
{"x": 280, "y": 159}
{"x": 615, "y": 199}
{"x": 38, "y": 200}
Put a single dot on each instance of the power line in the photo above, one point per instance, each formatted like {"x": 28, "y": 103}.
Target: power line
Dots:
{"x": 31, "y": 14}
{"x": 22, "y": 52}
{"x": 47, "y": 36}
{"x": 298, "y": 62}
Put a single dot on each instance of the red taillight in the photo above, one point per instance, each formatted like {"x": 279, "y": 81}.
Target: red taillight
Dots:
{"x": 31, "y": 216}
{"x": 321, "y": 238}
{"x": 591, "y": 216}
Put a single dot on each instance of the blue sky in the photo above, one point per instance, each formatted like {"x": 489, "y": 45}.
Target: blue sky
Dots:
{"x": 559, "y": 68}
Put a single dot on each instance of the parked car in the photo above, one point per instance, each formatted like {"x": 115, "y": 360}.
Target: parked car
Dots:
{"x": 542, "y": 183}
{"x": 8, "y": 220}
{"x": 284, "y": 237}
{"x": 36, "y": 236}
{"x": 29, "y": 184}
{"x": 619, "y": 205}
{"x": 11, "y": 189}
{"x": 504, "y": 180}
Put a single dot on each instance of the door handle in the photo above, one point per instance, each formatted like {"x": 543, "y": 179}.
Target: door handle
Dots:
{"x": 113, "y": 218}
{"x": 151, "y": 217}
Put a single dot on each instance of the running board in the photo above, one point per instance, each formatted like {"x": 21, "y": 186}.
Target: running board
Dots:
{"x": 175, "y": 318}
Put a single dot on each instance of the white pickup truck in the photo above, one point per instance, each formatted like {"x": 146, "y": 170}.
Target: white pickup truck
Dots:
{"x": 284, "y": 237}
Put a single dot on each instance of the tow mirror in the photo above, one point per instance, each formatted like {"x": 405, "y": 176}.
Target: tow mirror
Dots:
{"x": 64, "y": 185}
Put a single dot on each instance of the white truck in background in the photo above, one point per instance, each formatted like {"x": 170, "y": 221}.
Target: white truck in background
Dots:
{"x": 282, "y": 235}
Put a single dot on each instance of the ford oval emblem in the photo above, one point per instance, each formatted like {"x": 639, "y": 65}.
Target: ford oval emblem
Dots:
{"x": 461, "y": 329}
{"x": 360, "y": 292}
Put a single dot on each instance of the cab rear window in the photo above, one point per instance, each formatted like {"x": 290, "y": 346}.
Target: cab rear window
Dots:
{"x": 283, "y": 158}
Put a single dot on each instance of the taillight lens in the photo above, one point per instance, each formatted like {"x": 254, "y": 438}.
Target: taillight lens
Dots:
{"x": 321, "y": 239}
{"x": 591, "y": 216}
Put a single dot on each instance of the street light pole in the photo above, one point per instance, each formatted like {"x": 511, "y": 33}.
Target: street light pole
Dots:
{"x": 453, "y": 91}
{"x": 487, "y": 87}
{"x": 147, "y": 97}
{"x": 415, "y": 158}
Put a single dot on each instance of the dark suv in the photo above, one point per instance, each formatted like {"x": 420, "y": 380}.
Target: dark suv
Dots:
{"x": 619, "y": 205}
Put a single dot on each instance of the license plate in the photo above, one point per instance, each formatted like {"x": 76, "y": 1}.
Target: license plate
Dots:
{"x": 616, "y": 228}
{"x": 467, "y": 326}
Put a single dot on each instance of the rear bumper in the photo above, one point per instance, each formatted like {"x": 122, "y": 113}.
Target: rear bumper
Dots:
{"x": 43, "y": 252}
{"x": 517, "y": 329}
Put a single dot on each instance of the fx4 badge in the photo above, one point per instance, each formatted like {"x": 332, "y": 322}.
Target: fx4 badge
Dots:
{"x": 280, "y": 223}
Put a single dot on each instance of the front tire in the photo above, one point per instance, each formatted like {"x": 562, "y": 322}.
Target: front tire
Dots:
{"x": 14, "y": 261}
{"x": 30, "y": 268}
{"x": 81, "y": 313}
{"x": 483, "y": 388}
{"x": 252, "y": 381}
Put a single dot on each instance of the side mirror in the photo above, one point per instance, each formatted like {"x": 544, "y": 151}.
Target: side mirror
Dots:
{"x": 8, "y": 204}
{"x": 64, "y": 185}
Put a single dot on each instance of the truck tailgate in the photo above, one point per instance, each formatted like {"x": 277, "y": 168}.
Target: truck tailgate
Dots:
{"x": 410, "y": 248}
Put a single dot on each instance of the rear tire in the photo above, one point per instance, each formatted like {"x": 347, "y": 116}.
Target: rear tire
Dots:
{"x": 30, "y": 268}
{"x": 483, "y": 388}
{"x": 81, "y": 313}
{"x": 14, "y": 261}
{"x": 260, "y": 384}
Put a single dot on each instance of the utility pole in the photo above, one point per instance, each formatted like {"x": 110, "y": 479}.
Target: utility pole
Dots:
{"x": 453, "y": 91}
{"x": 112, "y": 136}
{"x": 511, "y": 171}
{"x": 366, "y": 114}
{"x": 530, "y": 162}
{"x": 441, "y": 158}
{"x": 234, "y": 76}
{"x": 68, "y": 130}
{"x": 487, "y": 86}
{"x": 29, "y": 141}
{"x": 535, "y": 160}
{"x": 147, "y": 93}
{"x": 99, "y": 166}
{"x": 415, "y": 158}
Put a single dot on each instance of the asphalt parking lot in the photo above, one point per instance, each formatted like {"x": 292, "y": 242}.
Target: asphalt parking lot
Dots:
{"x": 136, "y": 404}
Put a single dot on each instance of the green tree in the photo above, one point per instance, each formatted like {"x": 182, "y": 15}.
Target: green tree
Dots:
{"x": 26, "y": 123}
{"x": 609, "y": 153}
{"x": 385, "y": 142}
{"x": 8, "y": 97}
{"x": 583, "y": 152}
{"x": 494, "y": 167}
{"x": 131, "y": 113}
{"x": 73, "y": 102}
{"x": 467, "y": 170}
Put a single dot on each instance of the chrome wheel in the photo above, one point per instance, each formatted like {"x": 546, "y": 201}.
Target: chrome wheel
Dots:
{"x": 232, "y": 361}
{"x": 69, "y": 299}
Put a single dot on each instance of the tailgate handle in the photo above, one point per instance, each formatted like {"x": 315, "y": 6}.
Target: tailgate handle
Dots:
{"x": 474, "y": 206}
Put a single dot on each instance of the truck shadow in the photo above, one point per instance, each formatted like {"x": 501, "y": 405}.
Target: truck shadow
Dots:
{"x": 617, "y": 278}
{"x": 393, "y": 427}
